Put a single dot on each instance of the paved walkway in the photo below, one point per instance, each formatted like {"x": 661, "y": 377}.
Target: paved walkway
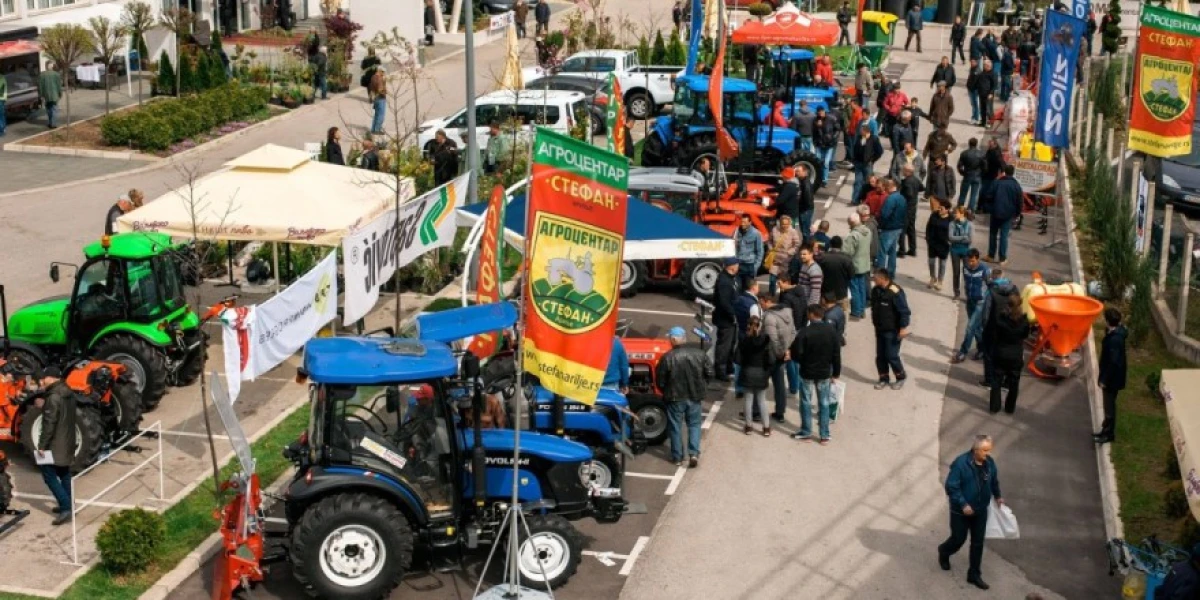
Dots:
{"x": 861, "y": 518}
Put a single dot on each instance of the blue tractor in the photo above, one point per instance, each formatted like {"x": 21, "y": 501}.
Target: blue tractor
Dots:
{"x": 374, "y": 482}
{"x": 607, "y": 427}
{"x": 792, "y": 79}
{"x": 688, "y": 133}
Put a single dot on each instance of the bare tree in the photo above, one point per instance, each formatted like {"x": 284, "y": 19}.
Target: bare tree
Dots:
{"x": 137, "y": 18}
{"x": 108, "y": 37}
{"x": 65, "y": 44}
{"x": 179, "y": 21}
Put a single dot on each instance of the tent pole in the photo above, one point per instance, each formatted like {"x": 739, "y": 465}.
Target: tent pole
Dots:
{"x": 275, "y": 264}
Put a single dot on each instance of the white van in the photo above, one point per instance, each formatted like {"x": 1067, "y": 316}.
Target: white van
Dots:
{"x": 552, "y": 109}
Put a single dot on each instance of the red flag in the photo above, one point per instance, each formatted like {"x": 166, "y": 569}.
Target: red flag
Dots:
{"x": 862, "y": 5}
{"x": 487, "y": 290}
{"x": 727, "y": 147}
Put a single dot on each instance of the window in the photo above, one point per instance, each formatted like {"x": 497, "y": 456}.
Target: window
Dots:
{"x": 604, "y": 65}
{"x": 7, "y": 7}
{"x": 45, "y": 4}
{"x": 574, "y": 65}
{"x": 100, "y": 296}
{"x": 538, "y": 114}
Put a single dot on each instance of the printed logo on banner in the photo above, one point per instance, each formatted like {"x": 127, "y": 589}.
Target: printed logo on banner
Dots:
{"x": 441, "y": 209}
{"x": 321, "y": 297}
{"x": 573, "y": 293}
{"x": 1161, "y": 82}
{"x": 380, "y": 251}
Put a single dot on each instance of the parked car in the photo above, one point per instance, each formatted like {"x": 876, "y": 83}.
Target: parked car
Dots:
{"x": 498, "y": 7}
{"x": 553, "y": 109}
{"x": 646, "y": 88}
{"x": 1179, "y": 182}
{"x": 23, "y": 97}
{"x": 592, "y": 89}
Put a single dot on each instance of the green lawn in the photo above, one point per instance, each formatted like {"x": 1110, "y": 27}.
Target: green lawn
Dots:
{"x": 188, "y": 523}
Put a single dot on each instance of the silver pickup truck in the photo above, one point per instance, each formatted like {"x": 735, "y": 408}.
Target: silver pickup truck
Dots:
{"x": 646, "y": 88}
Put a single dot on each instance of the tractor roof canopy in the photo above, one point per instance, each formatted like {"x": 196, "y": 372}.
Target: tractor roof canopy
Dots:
{"x": 377, "y": 361}
{"x": 792, "y": 54}
{"x": 699, "y": 83}
{"x": 131, "y": 245}
{"x": 458, "y": 323}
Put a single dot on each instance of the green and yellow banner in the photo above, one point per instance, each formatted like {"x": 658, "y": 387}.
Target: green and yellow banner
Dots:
{"x": 1164, "y": 83}
{"x": 576, "y": 236}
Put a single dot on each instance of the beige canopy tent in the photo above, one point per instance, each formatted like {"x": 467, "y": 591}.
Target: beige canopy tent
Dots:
{"x": 272, "y": 194}
{"x": 1181, "y": 391}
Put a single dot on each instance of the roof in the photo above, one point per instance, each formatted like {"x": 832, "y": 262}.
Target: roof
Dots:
{"x": 699, "y": 83}
{"x": 459, "y": 323}
{"x": 788, "y": 26}
{"x": 791, "y": 54}
{"x": 130, "y": 245}
{"x": 377, "y": 361}
{"x": 549, "y": 96}
{"x": 662, "y": 179}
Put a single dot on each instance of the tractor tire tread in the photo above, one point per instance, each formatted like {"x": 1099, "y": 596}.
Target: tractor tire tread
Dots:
{"x": 125, "y": 394}
{"x": 561, "y": 526}
{"x": 640, "y": 273}
{"x": 154, "y": 363}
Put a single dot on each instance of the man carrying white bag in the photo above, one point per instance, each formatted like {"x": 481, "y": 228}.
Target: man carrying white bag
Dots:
{"x": 972, "y": 486}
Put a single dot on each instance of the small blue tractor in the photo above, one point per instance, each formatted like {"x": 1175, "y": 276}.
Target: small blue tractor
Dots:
{"x": 372, "y": 482}
{"x": 688, "y": 133}
{"x": 792, "y": 78}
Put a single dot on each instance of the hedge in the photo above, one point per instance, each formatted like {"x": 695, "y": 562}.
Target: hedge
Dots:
{"x": 156, "y": 126}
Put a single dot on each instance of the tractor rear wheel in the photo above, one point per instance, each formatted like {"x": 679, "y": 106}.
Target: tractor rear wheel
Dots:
{"x": 811, "y": 161}
{"x": 351, "y": 547}
{"x": 147, "y": 364}
{"x": 700, "y": 277}
{"x": 633, "y": 277}
{"x": 89, "y": 434}
{"x": 654, "y": 151}
{"x": 550, "y": 552}
{"x": 603, "y": 471}
{"x": 652, "y": 418}
{"x": 694, "y": 148}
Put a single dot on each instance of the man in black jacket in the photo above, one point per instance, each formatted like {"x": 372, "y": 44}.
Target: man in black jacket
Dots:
{"x": 818, "y": 352}
{"x": 993, "y": 167}
{"x": 541, "y": 18}
{"x": 958, "y": 35}
{"x": 682, "y": 376}
{"x": 970, "y": 168}
{"x": 911, "y": 188}
{"x": 1112, "y": 373}
{"x": 864, "y": 153}
{"x": 787, "y": 203}
{"x": 1006, "y": 206}
{"x": 57, "y": 440}
{"x": 843, "y": 19}
{"x": 807, "y": 202}
{"x": 444, "y": 153}
{"x": 973, "y": 72}
{"x": 943, "y": 72}
{"x": 985, "y": 87}
{"x": 890, "y": 316}
{"x": 838, "y": 269}
{"x": 724, "y": 318}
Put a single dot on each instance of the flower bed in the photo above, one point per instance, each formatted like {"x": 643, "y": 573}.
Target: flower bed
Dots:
{"x": 157, "y": 126}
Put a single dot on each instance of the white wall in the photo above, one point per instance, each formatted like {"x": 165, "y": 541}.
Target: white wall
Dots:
{"x": 382, "y": 15}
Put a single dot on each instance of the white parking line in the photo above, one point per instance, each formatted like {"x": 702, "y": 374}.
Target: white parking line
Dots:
{"x": 194, "y": 434}
{"x": 627, "y": 568}
{"x": 90, "y": 504}
{"x": 841, "y": 180}
{"x": 675, "y": 480}
{"x": 712, "y": 414}
{"x": 657, "y": 312}
{"x": 648, "y": 475}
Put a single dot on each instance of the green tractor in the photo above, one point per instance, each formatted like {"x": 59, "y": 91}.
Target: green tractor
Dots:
{"x": 127, "y": 306}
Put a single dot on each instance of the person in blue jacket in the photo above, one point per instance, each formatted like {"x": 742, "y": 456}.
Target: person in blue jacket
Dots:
{"x": 971, "y": 485}
{"x": 617, "y": 375}
{"x": 893, "y": 217}
{"x": 1007, "y": 201}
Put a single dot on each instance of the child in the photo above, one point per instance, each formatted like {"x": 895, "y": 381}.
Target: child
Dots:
{"x": 821, "y": 237}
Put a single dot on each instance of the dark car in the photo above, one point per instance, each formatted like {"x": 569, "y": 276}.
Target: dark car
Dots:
{"x": 592, "y": 88}
{"x": 1179, "y": 182}
{"x": 498, "y": 7}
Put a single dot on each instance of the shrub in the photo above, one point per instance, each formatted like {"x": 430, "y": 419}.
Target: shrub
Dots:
{"x": 676, "y": 52}
{"x": 203, "y": 72}
{"x": 187, "y": 74}
{"x": 117, "y": 130}
{"x": 658, "y": 53}
{"x": 1153, "y": 379}
{"x": 643, "y": 51}
{"x": 166, "y": 76}
{"x": 1175, "y": 502}
{"x": 129, "y": 539}
{"x": 158, "y": 125}
{"x": 759, "y": 9}
{"x": 151, "y": 133}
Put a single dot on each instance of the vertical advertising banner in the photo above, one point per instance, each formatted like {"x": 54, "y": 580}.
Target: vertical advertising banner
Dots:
{"x": 1164, "y": 84}
{"x": 487, "y": 289}
{"x": 1080, "y": 9}
{"x": 576, "y": 235}
{"x": 1060, "y": 57}
{"x": 727, "y": 147}
{"x": 615, "y": 116}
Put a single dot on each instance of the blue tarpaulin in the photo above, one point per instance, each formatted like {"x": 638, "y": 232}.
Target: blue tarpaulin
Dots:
{"x": 651, "y": 233}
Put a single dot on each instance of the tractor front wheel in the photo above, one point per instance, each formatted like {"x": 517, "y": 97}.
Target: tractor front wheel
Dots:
{"x": 633, "y": 277}
{"x": 351, "y": 547}
{"x": 603, "y": 471}
{"x": 89, "y": 434}
{"x": 147, "y": 365}
{"x": 700, "y": 277}
{"x": 811, "y": 161}
{"x": 189, "y": 372}
{"x": 550, "y": 552}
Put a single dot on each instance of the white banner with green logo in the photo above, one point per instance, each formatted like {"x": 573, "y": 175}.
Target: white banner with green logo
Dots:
{"x": 371, "y": 254}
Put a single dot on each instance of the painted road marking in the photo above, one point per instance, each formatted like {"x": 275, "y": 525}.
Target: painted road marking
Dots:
{"x": 97, "y": 504}
{"x": 675, "y": 480}
{"x": 712, "y": 414}
{"x": 627, "y": 568}
{"x": 656, "y": 312}
{"x": 648, "y": 475}
{"x": 194, "y": 434}
{"x": 608, "y": 559}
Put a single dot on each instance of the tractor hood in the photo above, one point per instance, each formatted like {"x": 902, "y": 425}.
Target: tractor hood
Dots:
{"x": 645, "y": 349}
{"x": 459, "y": 323}
{"x": 551, "y": 448}
{"x": 41, "y": 323}
{"x": 606, "y": 397}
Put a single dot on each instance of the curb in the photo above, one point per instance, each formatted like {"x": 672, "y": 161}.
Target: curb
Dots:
{"x": 1109, "y": 495}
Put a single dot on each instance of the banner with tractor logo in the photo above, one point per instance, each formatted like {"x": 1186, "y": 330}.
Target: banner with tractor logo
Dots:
{"x": 576, "y": 216}
{"x": 1168, "y": 49}
{"x": 371, "y": 254}
{"x": 491, "y": 271}
{"x": 615, "y": 116}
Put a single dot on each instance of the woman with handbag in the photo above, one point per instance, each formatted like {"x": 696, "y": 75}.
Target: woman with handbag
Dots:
{"x": 785, "y": 243}
{"x": 757, "y": 362}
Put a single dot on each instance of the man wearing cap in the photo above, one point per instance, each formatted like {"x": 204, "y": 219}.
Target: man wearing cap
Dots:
{"x": 123, "y": 205}
{"x": 724, "y": 318}
{"x": 57, "y": 403}
{"x": 682, "y": 376}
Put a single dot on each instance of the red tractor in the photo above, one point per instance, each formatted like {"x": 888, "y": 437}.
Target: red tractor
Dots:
{"x": 679, "y": 192}
{"x": 645, "y": 399}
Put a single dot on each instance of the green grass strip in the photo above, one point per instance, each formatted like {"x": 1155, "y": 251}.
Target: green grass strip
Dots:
{"x": 189, "y": 522}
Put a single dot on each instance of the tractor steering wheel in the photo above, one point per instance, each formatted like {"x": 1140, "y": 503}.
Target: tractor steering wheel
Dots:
{"x": 720, "y": 180}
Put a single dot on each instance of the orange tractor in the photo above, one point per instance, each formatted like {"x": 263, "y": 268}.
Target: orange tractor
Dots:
{"x": 679, "y": 192}
{"x": 108, "y": 405}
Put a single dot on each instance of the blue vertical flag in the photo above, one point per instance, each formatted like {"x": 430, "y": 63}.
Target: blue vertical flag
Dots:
{"x": 1060, "y": 57}
{"x": 697, "y": 32}
{"x": 1081, "y": 9}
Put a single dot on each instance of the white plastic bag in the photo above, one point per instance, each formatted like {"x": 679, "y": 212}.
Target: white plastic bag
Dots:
{"x": 837, "y": 399}
{"x": 1002, "y": 523}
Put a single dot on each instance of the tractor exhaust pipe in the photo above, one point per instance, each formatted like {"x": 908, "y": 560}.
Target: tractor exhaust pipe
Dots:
{"x": 559, "y": 415}
{"x": 4, "y": 322}
{"x": 478, "y": 464}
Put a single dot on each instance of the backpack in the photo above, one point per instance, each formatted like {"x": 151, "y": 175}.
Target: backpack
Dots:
{"x": 365, "y": 80}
